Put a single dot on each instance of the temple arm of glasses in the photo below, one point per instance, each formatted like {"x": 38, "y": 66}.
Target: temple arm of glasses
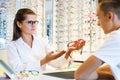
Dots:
{"x": 81, "y": 51}
{"x": 78, "y": 61}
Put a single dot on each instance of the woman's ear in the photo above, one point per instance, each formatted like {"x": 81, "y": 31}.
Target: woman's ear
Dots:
{"x": 18, "y": 24}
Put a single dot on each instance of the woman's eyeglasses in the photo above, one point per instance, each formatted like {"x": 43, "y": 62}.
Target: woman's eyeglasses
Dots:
{"x": 30, "y": 23}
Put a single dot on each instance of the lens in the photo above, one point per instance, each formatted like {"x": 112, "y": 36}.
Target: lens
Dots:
{"x": 32, "y": 22}
{"x": 36, "y": 22}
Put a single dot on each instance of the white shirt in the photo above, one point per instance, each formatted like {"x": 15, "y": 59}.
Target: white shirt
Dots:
{"x": 22, "y": 57}
{"x": 110, "y": 53}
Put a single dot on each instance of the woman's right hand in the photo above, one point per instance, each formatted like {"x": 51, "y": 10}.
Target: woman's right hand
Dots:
{"x": 51, "y": 56}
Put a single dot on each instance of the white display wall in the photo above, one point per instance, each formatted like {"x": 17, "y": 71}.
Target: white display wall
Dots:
{"x": 72, "y": 20}
{"x": 76, "y": 19}
{"x": 36, "y": 5}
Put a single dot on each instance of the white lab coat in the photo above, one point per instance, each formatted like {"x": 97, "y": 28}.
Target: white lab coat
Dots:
{"x": 22, "y": 57}
{"x": 110, "y": 53}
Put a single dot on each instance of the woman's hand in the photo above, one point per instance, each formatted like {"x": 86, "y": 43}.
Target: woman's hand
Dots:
{"x": 51, "y": 56}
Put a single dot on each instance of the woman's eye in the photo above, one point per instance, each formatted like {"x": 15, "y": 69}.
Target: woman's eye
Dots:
{"x": 30, "y": 22}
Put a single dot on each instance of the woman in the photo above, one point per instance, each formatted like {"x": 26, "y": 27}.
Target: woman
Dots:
{"x": 28, "y": 53}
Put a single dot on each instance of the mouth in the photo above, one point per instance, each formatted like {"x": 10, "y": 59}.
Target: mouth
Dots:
{"x": 33, "y": 29}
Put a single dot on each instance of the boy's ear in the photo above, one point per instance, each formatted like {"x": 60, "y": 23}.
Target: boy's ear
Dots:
{"x": 110, "y": 15}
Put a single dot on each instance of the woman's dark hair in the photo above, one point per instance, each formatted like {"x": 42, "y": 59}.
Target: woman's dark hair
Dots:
{"x": 20, "y": 16}
{"x": 110, "y": 5}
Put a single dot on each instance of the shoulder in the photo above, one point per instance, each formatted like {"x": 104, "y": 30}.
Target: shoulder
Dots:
{"x": 12, "y": 43}
{"x": 115, "y": 35}
{"x": 15, "y": 42}
{"x": 11, "y": 46}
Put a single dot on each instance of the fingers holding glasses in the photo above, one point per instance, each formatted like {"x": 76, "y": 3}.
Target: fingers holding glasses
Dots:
{"x": 76, "y": 45}
{"x": 80, "y": 44}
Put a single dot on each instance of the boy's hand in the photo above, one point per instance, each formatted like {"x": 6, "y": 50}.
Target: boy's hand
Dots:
{"x": 76, "y": 45}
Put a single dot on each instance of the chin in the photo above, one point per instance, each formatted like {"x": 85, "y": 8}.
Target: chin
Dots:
{"x": 107, "y": 32}
{"x": 33, "y": 31}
